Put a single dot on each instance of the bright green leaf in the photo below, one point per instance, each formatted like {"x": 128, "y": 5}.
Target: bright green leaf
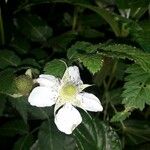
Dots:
{"x": 137, "y": 87}
{"x": 55, "y": 67}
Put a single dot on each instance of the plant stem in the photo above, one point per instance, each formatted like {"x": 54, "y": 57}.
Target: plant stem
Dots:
{"x": 2, "y": 38}
{"x": 75, "y": 17}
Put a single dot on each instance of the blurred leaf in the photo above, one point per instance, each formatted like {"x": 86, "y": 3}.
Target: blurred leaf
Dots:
{"x": 34, "y": 28}
{"x": 39, "y": 53}
{"x": 40, "y": 113}
{"x": 137, "y": 131}
{"x": 24, "y": 143}
{"x": 2, "y": 104}
{"x": 21, "y": 45}
{"x": 8, "y": 58}
{"x": 12, "y": 128}
{"x": 95, "y": 134}
{"x": 49, "y": 135}
{"x": 143, "y": 39}
{"x": 30, "y": 62}
{"x": 20, "y": 105}
{"x": 61, "y": 42}
{"x": 6, "y": 81}
{"x": 91, "y": 33}
{"x": 55, "y": 67}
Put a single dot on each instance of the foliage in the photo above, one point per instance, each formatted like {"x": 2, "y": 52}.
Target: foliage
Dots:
{"x": 108, "y": 40}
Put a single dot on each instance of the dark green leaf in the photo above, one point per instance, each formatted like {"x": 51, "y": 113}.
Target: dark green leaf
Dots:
{"x": 24, "y": 143}
{"x": 8, "y": 58}
{"x": 94, "y": 134}
{"x": 2, "y": 103}
{"x": 61, "y": 42}
{"x": 34, "y": 28}
{"x": 6, "y": 81}
{"x": 13, "y": 128}
{"x": 51, "y": 138}
{"x": 137, "y": 131}
{"x": 20, "y": 105}
{"x": 21, "y": 45}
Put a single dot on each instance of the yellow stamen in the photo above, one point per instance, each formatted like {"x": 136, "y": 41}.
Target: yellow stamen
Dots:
{"x": 68, "y": 92}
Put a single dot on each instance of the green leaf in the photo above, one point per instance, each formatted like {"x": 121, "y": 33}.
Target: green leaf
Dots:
{"x": 55, "y": 67}
{"x": 21, "y": 45}
{"x": 34, "y": 28}
{"x": 82, "y": 51}
{"x": 110, "y": 18}
{"x": 137, "y": 87}
{"x": 51, "y": 138}
{"x": 6, "y": 81}
{"x": 30, "y": 62}
{"x": 40, "y": 113}
{"x": 8, "y": 58}
{"x": 120, "y": 116}
{"x": 93, "y": 62}
{"x": 125, "y": 51}
{"x": 137, "y": 132}
{"x": 97, "y": 135}
{"x": 23, "y": 143}
{"x": 61, "y": 42}
{"x": 20, "y": 105}
{"x": 12, "y": 128}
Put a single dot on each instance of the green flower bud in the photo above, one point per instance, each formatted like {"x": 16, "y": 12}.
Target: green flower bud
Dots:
{"x": 23, "y": 84}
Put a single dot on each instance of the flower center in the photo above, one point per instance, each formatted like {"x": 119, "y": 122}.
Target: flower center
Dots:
{"x": 68, "y": 92}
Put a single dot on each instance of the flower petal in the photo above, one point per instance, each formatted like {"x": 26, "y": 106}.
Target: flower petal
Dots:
{"x": 48, "y": 81}
{"x": 89, "y": 102}
{"x": 42, "y": 97}
{"x": 67, "y": 118}
{"x": 72, "y": 75}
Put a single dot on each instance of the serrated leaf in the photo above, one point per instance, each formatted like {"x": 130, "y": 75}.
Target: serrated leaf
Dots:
{"x": 8, "y": 58}
{"x": 137, "y": 87}
{"x": 120, "y": 116}
{"x": 34, "y": 28}
{"x": 12, "y": 128}
{"x": 92, "y": 62}
{"x": 48, "y": 138}
{"x": 55, "y": 67}
{"x": 95, "y": 134}
{"x": 23, "y": 143}
{"x": 78, "y": 46}
{"x": 83, "y": 52}
{"x": 125, "y": 51}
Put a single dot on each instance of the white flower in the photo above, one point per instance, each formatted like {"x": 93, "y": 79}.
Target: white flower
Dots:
{"x": 65, "y": 94}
